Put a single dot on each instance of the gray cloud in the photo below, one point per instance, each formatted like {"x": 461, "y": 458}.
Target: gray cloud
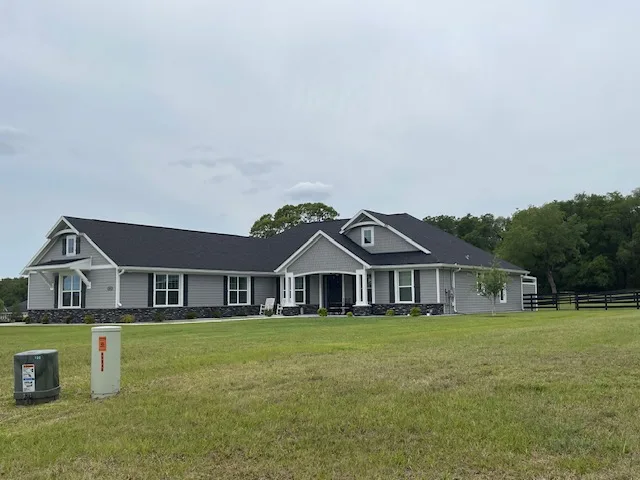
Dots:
{"x": 216, "y": 179}
{"x": 309, "y": 191}
{"x": 7, "y": 149}
{"x": 12, "y": 140}
{"x": 248, "y": 168}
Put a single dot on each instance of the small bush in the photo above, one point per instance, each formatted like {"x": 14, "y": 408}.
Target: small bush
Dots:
{"x": 89, "y": 319}
{"x": 415, "y": 312}
{"x": 45, "y": 319}
{"x": 127, "y": 319}
{"x": 216, "y": 314}
{"x": 349, "y": 314}
{"x": 26, "y": 319}
{"x": 68, "y": 319}
{"x": 191, "y": 315}
{"x": 159, "y": 317}
{"x": 390, "y": 313}
{"x": 268, "y": 313}
{"x": 16, "y": 314}
{"x": 323, "y": 312}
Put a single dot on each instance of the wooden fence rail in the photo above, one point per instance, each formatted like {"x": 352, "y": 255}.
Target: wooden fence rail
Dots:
{"x": 578, "y": 301}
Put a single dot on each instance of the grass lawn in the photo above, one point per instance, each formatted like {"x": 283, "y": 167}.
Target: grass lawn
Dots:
{"x": 532, "y": 395}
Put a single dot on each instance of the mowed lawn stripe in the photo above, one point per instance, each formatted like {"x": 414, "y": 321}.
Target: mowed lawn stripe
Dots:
{"x": 516, "y": 396}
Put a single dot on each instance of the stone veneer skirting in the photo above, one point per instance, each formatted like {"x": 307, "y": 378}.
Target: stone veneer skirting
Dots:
{"x": 180, "y": 313}
{"x": 107, "y": 315}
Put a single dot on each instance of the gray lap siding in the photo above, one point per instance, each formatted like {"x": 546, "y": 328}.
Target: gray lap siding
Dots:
{"x": 323, "y": 256}
{"x": 54, "y": 252}
{"x": 100, "y": 295}
{"x": 384, "y": 241}
{"x": 468, "y": 300}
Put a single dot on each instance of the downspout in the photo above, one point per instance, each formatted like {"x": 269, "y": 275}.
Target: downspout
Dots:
{"x": 453, "y": 285}
{"x": 118, "y": 273}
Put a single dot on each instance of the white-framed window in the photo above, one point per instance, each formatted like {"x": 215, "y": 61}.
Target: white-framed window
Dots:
{"x": 367, "y": 236}
{"x": 404, "y": 286}
{"x": 503, "y": 294}
{"x": 370, "y": 287}
{"x": 167, "y": 291}
{"x": 70, "y": 245}
{"x": 300, "y": 290}
{"x": 238, "y": 291}
{"x": 70, "y": 292}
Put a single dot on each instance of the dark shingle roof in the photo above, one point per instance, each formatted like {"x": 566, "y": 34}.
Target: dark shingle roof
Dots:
{"x": 147, "y": 246}
{"x": 61, "y": 262}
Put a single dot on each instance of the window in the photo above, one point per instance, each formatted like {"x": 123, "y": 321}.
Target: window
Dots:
{"x": 405, "y": 286}
{"x": 167, "y": 290}
{"x": 238, "y": 290}
{"x": 300, "y": 289}
{"x": 71, "y": 292}
{"x": 367, "y": 236}
{"x": 503, "y": 294}
{"x": 70, "y": 245}
{"x": 369, "y": 288}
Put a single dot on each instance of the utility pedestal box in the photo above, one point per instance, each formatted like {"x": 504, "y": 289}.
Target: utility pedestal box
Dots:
{"x": 36, "y": 377}
{"x": 105, "y": 361}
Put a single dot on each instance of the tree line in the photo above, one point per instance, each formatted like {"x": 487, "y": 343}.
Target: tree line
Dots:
{"x": 588, "y": 243}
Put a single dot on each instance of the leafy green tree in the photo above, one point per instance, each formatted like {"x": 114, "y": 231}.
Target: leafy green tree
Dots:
{"x": 490, "y": 283}
{"x": 289, "y": 216}
{"x": 543, "y": 240}
{"x": 1, "y": 305}
{"x": 13, "y": 290}
{"x": 484, "y": 232}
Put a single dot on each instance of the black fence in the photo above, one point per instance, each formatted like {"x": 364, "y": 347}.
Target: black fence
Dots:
{"x": 579, "y": 301}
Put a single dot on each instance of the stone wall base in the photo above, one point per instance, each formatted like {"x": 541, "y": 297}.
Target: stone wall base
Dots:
{"x": 108, "y": 315}
{"x": 399, "y": 309}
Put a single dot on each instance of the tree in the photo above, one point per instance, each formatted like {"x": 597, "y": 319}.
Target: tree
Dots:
{"x": 1, "y": 305}
{"x": 491, "y": 283}
{"x": 543, "y": 240}
{"x": 289, "y": 216}
{"x": 13, "y": 290}
{"x": 484, "y": 232}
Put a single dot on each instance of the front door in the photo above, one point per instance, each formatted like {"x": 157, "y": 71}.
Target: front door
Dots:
{"x": 333, "y": 290}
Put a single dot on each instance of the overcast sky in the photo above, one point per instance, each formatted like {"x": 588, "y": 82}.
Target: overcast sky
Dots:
{"x": 205, "y": 114}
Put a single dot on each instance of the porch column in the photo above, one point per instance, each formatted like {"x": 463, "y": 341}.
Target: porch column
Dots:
{"x": 289, "y": 286}
{"x": 361, "y": 279}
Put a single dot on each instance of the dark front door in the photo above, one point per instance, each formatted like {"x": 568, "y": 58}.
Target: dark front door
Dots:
{"x": 333, "y": 290}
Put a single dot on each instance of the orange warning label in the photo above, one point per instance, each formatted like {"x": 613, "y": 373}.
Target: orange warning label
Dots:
{"x": 102, "y": 344}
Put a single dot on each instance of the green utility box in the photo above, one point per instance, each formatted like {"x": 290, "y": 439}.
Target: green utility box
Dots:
{"x": 36, "y": 377}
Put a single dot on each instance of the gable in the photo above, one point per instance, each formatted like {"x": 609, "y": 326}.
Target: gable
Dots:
{"x": 54, "y": 252}
{"x": 385, "y": 241}
{"x": 323, "y": 256}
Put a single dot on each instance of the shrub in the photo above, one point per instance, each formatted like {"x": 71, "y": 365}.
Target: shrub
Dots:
{"x": 268, "y": 313}
{"x": 68, "y": 319}
{"x": 216, "y": 314}
{"x": 159, "y": 317}
{"x": 191, "y": 315}
{"x": 415, "y": 312}
{"x": 128, "y": 319}
{"x": 390, "y": 313}
{"x": 16, "y": 314}
{"x": 26, "y": 319}
{"x": 45, "y": 319}
{"x": 89, "y": 319}
{"x": 322, "y": 312}
{"x": 349, "y": 314}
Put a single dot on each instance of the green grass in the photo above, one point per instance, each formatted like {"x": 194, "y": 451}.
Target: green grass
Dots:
{"x": 533, "y": 395}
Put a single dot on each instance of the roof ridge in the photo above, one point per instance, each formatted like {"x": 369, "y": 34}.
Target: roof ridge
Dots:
{"x": 158, "y": 227}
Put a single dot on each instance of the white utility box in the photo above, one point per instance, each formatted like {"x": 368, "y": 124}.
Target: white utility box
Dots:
{"x": 105, "y": 361}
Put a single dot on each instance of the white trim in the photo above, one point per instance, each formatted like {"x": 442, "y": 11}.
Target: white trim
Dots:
{"x": 45, "y": 279}
{"x": 367, "y": 223}
{"x": 296, "y": 289}
{"x": 521, "y": 292}
{"x": 63, "y": 232}
{"x": 167, "y": 290}
{"x": 67, "y": 252}
{"x": 373, "y": 286}
{"x": 443, "y": 265}
{"x": 504, "y": 289}
{"x": 409, "y": 240}
{"x": 55, "y": 225}
{"x": 119, "y": 273}
{"x": 83, "y": 278}
{"x": 397, "y": 286}
{"x": 437, "y": 285}
{"x": 60, "y": 291}
{"x": 314, "y": 238}
{"x": 238, "y": 290}
{"x": 197, "y": 271}
{"x": 455, "y": 294}
{"x": 349, "y": 225}
{"x": 91, "y": 242}
{"x": 28, "y": 289}
{"x": 362, "y": 237}
{"x": 83, "y": 263}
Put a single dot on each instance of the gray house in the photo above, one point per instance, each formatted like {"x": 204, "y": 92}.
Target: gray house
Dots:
{"x": 367, "y": 264}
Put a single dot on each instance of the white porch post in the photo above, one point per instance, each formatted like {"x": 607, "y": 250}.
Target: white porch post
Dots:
{"x": 361, "y": 281}
{"x": 289, "y": 287}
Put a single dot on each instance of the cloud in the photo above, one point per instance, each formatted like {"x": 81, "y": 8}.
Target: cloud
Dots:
{"x": 215, "y": 179}
{"x": 12, "y": 140}
{"x": 248, "y": 168}
{"x": 309, "y": 191}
